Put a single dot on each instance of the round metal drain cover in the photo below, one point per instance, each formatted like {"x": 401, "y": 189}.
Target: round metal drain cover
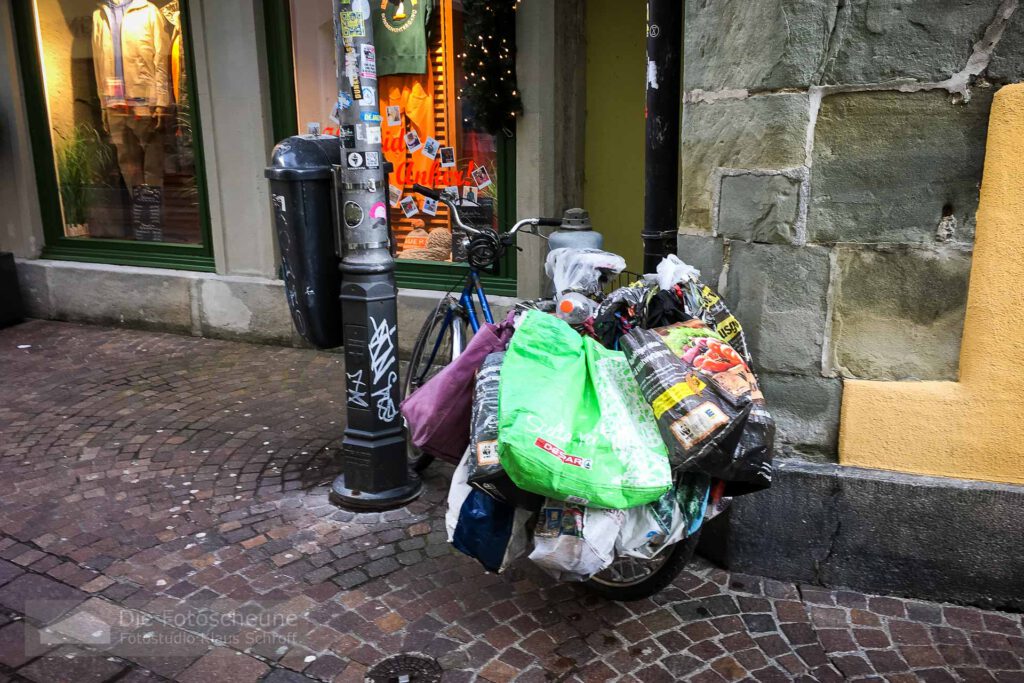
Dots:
{"x": 407, "y": 668}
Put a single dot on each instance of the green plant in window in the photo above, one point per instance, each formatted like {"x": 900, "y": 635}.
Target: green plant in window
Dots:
{"x": 82, "y": 157}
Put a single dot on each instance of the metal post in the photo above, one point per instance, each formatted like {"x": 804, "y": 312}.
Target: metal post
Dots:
{"x": 375, "y": 473}
{"x": 661, "y": 162}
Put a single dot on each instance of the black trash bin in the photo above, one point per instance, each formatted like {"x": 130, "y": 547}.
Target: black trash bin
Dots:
{"x": 301, "y": 190}
{"x": 11, "y": 309}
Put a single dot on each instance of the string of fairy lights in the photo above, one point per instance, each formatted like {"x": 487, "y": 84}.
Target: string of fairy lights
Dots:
{"x": 489, "y": 90}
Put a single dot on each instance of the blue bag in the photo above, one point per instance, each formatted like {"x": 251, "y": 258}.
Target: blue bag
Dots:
{"x": 484, "y": 529}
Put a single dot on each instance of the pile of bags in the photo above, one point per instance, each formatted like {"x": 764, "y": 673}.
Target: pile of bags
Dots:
{"x": 588, "y": 438}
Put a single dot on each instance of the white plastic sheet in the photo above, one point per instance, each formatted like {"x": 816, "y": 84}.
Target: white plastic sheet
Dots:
{"x": 572, "y": 542}
{"x": 457, "y": 494}
{"x": 581, "y": 269}
{"x": 672, "y": 270}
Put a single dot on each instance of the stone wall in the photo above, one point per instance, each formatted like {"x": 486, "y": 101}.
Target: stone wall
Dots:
{"x": 831, "y": 160}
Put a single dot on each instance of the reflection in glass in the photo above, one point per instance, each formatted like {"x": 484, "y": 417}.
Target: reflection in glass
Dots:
{"x": 426, "y": 132}
{"x": 117, "y": 96}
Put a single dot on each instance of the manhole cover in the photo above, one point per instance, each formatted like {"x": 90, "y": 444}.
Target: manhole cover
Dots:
{"x": 408, "y": 668}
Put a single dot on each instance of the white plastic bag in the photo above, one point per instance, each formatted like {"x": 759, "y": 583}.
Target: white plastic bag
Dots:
{"x": 572, "y": 543}
{"x": 648, "y": 529}
{"x": 581, "y": 269}
{"x": 519, "y": 541}
{"x": 457, "y": 494}
{"x": 672, "y": 270}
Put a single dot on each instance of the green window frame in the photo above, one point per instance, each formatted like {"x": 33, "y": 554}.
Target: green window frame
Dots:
{"x": 196, "y": 257}
{"x": 284, "y": 122}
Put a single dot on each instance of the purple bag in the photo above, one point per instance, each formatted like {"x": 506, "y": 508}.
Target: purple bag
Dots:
{"x": 439, "y": 412}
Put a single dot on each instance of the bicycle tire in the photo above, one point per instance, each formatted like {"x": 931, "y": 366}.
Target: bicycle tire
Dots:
{"x": 679, "y": 556}
{"x": 425, "y": 340}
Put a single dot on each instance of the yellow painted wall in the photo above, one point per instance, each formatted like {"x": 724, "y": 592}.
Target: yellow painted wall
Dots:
{"x": 974, "y": 428}
{"x": 613, "y": 189}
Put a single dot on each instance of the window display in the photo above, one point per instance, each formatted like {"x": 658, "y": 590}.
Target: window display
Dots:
{"x": 428, "y": 134}
{"x": 117, "y": 94}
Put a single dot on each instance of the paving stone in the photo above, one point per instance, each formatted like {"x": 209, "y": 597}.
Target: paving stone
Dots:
{"x": 40, "y": 598}
{"x": 222, "y": 664}
{"x": 285, "y": 676}
{"x": 19, "y": 643}
{"x": 72, "y": 664}
{"x": 8, "y": 572}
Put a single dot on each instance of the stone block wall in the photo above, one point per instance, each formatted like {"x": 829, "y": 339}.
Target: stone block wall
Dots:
{"x": 831, "y": 161}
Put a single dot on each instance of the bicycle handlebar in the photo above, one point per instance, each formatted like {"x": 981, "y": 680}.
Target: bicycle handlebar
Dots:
{"x": 457, "y": 220}
{"x": 427, "y": 192}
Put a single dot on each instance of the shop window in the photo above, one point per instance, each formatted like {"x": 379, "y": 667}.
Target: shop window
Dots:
{"x": 428, "y": 134}
{"x": 117, "y": 152}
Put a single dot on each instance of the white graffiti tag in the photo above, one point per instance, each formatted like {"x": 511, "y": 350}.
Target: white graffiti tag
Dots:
{"x": 356, "y": 390}
{"x": 382, "y": 349}
{"x": 386, "y": 409}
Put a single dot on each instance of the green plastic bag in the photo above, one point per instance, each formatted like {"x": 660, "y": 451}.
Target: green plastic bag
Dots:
{"x": 572, "y": 423}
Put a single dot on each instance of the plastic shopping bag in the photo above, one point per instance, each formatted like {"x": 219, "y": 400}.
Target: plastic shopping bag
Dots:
{"x": 581, "y": 270}
{"x": 438, "y": 413}
{"x": 458, "y": 491}
{"x": 707, "y": 402}
{"x": 572, "y": 543}
{"x": 485, "y": 470}
{"x": 744, "y": 459}
{"x": 572, "y": 423}
{"x": 649, "y": 529}
{"x": 488, "y": 530}
{"x": 693, "y": 417}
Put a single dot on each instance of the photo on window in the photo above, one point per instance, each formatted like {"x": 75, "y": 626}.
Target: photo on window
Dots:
{"x": 121, "y": 123}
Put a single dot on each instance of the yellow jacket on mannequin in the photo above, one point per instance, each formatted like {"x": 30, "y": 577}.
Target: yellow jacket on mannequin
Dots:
{"x": 145, "y": 55}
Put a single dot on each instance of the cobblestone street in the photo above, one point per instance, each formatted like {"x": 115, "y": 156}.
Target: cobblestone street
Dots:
{"x": 154, "y": 482}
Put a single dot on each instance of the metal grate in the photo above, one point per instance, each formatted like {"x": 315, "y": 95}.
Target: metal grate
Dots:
{"x": 406, "y": 668}
{"x": 623, "y": 279}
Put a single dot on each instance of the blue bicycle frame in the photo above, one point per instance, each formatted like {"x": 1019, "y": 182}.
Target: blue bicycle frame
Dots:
{"x": 473, "y": 286}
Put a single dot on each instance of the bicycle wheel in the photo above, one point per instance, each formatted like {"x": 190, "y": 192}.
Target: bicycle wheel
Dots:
{"x": 435, "y": 347}
{"x": 629, "y": 578}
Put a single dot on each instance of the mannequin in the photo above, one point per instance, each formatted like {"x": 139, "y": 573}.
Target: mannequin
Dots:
{"x": 131, "y": 56}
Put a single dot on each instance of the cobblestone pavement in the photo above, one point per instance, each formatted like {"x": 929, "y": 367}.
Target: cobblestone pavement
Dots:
{"x": 155, "y": 485}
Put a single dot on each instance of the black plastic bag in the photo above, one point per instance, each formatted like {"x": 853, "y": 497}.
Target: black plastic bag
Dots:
{"x": 485, "y": 471}
{"x": 692, "y": 417}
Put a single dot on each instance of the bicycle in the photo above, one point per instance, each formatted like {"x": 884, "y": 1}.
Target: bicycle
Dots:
{"x": 444, "y": 333}
{"x": 444, "y": 330}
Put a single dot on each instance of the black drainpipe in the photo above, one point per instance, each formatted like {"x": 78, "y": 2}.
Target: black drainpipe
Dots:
{"x": 661, "y": 159}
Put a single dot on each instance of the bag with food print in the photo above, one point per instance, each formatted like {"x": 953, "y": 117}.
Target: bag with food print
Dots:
{"x": 744, "y": 459}
{"x": 707, "y": 402}
{"x": 572, "y": 423}
{"x": 692, "y": 416}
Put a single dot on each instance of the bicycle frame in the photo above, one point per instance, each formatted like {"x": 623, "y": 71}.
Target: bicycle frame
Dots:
{"x": 473, "y": 286}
